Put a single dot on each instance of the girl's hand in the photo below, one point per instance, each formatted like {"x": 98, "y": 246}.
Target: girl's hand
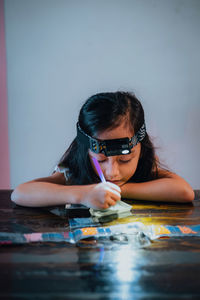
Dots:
{"x": 102, "y": 195}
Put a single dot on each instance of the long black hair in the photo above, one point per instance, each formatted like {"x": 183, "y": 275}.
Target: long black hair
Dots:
{"x": 100, "y": 112}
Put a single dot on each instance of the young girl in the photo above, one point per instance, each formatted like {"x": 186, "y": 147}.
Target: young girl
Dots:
{"x": 111, "y": 128}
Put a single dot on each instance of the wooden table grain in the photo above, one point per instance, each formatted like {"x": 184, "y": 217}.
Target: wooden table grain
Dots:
{"x": 97, "y": 268}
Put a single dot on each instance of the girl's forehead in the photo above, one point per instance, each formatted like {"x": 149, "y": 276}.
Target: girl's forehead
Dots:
{"x": 121, "y": 131}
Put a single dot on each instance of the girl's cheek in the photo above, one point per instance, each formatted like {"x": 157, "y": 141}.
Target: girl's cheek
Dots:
{"x": 130, "y": 171}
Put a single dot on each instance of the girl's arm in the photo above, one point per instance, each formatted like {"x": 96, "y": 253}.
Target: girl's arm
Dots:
{"x": 53, "y": 190}
{"x": 171, "y": 188}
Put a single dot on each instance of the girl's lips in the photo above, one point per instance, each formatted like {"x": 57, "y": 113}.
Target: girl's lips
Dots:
{"x": 115, "y": 181}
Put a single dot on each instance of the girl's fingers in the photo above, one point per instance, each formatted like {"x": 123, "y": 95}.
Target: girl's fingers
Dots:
{"x": 105, "y": 206}
{"x": 113, "y": 193}
{"x": 108, "y": 203}
{"x": 111, "y": 202}
{"x": 105, "y": 195}
{"x": 113, "y": 186}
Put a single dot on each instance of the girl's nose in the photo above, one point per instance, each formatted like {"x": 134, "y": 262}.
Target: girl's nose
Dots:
{"x": 111, "y": 170}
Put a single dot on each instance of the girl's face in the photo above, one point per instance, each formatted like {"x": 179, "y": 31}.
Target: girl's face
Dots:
{"x": 120, "y": 168}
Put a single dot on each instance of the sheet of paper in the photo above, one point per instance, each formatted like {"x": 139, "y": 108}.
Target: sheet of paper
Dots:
{"x": 118, "y": 208}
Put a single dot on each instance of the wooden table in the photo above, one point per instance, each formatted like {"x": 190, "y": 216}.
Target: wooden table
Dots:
{"x": 95, "y": 268}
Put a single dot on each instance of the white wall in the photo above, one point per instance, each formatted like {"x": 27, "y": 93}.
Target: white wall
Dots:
{"x": 61, "y": 52}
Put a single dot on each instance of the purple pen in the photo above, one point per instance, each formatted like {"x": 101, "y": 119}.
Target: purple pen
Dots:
{"x": 98, "y": 169}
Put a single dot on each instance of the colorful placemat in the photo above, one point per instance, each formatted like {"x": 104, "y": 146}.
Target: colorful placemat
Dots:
{"x": 151, "y": 231}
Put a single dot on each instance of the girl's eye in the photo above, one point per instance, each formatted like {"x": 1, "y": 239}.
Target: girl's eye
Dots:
{"x": 101, "y": 161}
{"x": 120, "y": 161}
{"x": 125, "y": 161}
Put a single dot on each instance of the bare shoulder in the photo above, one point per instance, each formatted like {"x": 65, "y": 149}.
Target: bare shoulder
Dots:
{"x": 163, "y": 173}
{"x": 57, "y": 178}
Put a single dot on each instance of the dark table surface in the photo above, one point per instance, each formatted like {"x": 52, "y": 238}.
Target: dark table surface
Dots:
{"x": 97, "y": 268}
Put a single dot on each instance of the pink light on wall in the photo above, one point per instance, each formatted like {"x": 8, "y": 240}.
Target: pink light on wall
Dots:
{"x": 4, "y": 147}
